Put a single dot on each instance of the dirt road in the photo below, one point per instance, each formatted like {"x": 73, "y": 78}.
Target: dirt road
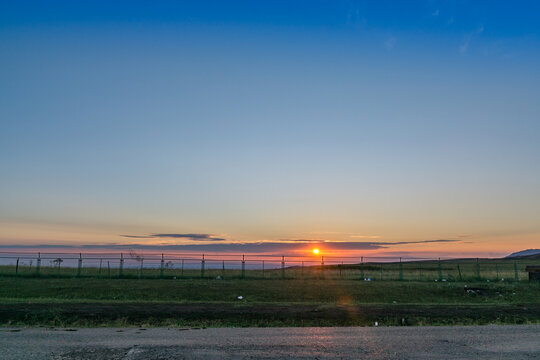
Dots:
{"x": 478, "y": 342}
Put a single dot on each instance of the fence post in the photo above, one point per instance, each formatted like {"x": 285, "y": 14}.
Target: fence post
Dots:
{"x": 38, "y": 264}
{"x": 516, "y": 276}
{"x": 243, "y": 274}
{"x": 459, "y": 272}
{"x": 202, "y": 267}
{"x": 439, "y": 269}
{"x": 283, "y": 267}
{"x": 223, "y": 268}
{"x": 121, "y": 270}
{"x": 477, "y": 269}
{"x": 362, "y": 267}
{"x": 263, "y": 268}
{"x": 100, "y": 263}
{"x": 400, "y": 270}
{"x": 140, "y": 269}
{"x": 17, "y": 267}
{"x": 182, "y": 270}
{"x": 79, "y": 265}
{"x": 161, "y": 265}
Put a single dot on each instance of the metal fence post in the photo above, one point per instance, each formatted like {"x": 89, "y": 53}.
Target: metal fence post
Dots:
{"x": 459, "y": 272}
{"x": 243, "y": 275}
{"x": 17, "y": 267}
{"x": 223, "y": 268}
{"x": 477, "y": 269}
{"x": 202, "y": 267}
{"x": 121, "y": 270}
{"x": 182, "y": 270}
{"x": 38, "y": 264}
{"x": 439, "y": 269}
{"x": 283, "y": 267}
{"x": 362, "y": 267}
{"x": 162, "y": 265}
{"x": 263, "y": 268}
{"x": 400, "y": 270}
{"x": 79, "y": 265}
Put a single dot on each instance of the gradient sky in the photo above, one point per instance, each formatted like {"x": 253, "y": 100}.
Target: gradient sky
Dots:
{"x": 382, "y": 122}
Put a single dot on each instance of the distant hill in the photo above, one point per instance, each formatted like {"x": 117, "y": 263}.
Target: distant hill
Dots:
{"x": 529, "y": 253}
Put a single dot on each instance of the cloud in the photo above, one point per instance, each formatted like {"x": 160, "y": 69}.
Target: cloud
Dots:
{"x": 194, "y": 237}
{"x": 276, "y": 247}
{"x": 302, "y": 240}
{"x": 138, "y": 236}
{"x": 421, "y": 241}
{"x": 468, "y": 38}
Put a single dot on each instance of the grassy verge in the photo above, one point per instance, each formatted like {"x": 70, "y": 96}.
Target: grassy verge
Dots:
{"x": 307, "y": 302}
{"x": 259, "y": 315}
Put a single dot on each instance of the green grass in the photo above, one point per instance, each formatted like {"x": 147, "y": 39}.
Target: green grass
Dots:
{"x": 223, "y": 315}
{"x": 90, "y": 301}
{"x": 264, "y": 291}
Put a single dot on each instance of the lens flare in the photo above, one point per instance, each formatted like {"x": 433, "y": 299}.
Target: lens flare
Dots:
{"x": 315, "y": 251}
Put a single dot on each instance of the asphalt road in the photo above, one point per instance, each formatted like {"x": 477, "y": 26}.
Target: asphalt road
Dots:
{"x": 457, "y": 342}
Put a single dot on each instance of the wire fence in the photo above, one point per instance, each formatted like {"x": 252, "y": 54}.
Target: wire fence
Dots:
{"x": 237, "y": 266}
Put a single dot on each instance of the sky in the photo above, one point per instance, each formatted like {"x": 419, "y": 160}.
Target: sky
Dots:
{"x": 360, "y": 127}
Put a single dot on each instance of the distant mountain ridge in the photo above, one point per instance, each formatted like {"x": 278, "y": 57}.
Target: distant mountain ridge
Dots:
{"x": 528, "y": 252}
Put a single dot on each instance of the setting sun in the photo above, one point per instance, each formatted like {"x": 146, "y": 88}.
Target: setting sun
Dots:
{"x": 315, "y": 251}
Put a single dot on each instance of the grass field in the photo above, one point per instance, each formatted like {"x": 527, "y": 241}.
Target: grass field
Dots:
{"x": 264, "y": 291}
{"x": 269, "y": 302}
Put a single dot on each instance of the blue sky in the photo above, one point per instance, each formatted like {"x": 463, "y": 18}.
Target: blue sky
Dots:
{"x": 271, "y": 121}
